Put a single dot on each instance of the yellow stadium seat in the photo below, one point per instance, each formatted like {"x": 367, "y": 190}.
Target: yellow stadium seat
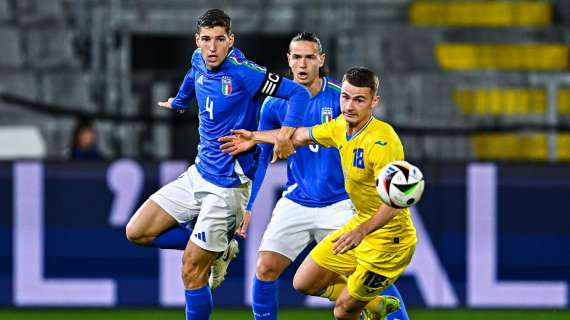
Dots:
{"x": 527, "y": 57}
{"x": 510, "y": 146}
{"x": 563, "y": 101}
{"x": 501, "y": 101}
{"x": 563, "y": 147}
{"x": 508, "y": 101}
{"x": 481, "y": 13}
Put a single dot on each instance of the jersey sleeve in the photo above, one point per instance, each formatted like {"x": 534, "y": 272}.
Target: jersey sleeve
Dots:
{"x": 185, "y": 93}
{"x": 298, "y": 97}
{"x": 265, "y": 152}
{"x": 266, "y": 122}
{"x": 325, "y": 134}
{"x": 260, "y": 81}
{"x": 267, "y": 119}
{"x": 385, "y": 152}
{"x": 252, "y": 76}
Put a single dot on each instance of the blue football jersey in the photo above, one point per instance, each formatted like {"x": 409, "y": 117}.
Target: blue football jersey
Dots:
{"x": 314, "y": 173}
{"x": 228, "y": 98}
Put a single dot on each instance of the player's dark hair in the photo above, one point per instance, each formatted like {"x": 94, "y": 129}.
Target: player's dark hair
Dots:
{"x": 214, "y": 18}
{"x": 362, "y": 77}
{"x": 311, "y": 37}
{"x": 308, "y": 36}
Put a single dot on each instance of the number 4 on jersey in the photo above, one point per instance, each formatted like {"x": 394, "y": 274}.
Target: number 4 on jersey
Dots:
{"x": 210, "y": 107}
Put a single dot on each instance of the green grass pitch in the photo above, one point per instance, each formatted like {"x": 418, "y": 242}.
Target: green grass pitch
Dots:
{"x": 294, "y": 314}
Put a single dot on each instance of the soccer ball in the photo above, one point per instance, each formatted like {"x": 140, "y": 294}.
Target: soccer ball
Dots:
{"x": 400, "y": 184}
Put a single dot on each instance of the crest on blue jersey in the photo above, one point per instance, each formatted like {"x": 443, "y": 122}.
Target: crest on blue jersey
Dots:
{"x": 326, "y": 114}
{"x": 226, "y": 85}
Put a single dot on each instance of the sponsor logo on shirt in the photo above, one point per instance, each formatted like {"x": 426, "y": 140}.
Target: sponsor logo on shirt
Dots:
{"x": 382, "y": 143}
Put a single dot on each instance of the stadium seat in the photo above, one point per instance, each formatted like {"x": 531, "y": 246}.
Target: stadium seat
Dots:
{"x": 563, "y": 147}
{"x": 510, "y": 146}
{"x": 563, "y": 101}
{"x": 5, "y": 12}
{"x": 10, "y": 47}
{"x": 481, "y": 14}
{"x": 524, "y": 57}
{"x": 509, "y": 101}
{"x": 501, "y": 101}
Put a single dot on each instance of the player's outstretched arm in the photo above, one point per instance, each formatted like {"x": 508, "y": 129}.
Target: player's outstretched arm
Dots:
{"x": 352, "y": 239}
{"x": 283, "y": 144}
{"x": 301, "y": 137}
{"x": 240, "y": 141}
{"x": 168, "y": 105}
{"x": 298, "y": 97}
{"x": 243, "y": 140}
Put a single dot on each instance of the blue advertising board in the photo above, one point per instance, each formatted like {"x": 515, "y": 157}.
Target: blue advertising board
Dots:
{"x": 489, "y": 236}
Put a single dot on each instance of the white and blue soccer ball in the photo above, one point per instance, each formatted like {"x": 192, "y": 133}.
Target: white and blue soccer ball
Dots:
{"x": 400, "y": 184}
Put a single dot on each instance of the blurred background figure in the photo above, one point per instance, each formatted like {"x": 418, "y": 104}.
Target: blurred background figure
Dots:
{"x": 84, "y": 142}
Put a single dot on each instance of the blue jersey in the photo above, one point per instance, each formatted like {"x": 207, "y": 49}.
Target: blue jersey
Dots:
{"x": 314, "y": 173}
{"x": 229, "y": 98}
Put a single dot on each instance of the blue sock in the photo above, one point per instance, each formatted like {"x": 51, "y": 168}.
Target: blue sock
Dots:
{"x": 173, "y": 238}
{"x": 265, "y": 299}
{"x": 401, "y": 314}
{"x": 199, "y": 303}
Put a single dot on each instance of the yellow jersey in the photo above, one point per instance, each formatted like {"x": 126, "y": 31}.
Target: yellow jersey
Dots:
{"x": 363, "y": 155}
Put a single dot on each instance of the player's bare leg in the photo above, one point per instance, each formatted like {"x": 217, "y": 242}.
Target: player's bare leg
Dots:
{"x": 148, "y": 222}
{"x": 196, "y": 264}
{"x": 348, "y": 308}
{"x": 270, "y": 265}
{"x": 311, "y": 279}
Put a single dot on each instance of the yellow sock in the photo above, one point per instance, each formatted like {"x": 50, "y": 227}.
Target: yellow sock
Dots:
{"x": 333, "y": 291}
{"x": 374, "y": 304}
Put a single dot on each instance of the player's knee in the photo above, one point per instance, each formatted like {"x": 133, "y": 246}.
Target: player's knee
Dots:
{"x": 267, "y": 270}
{"x": 341, "y": 314}
{"x": 135, "y": 235}
{"x": 305, "y": 287}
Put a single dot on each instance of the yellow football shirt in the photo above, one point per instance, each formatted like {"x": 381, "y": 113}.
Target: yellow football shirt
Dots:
{"x": 363, "y": 155}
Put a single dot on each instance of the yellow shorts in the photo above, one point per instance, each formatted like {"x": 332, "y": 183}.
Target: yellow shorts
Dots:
{"x": 370, "y": 270}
